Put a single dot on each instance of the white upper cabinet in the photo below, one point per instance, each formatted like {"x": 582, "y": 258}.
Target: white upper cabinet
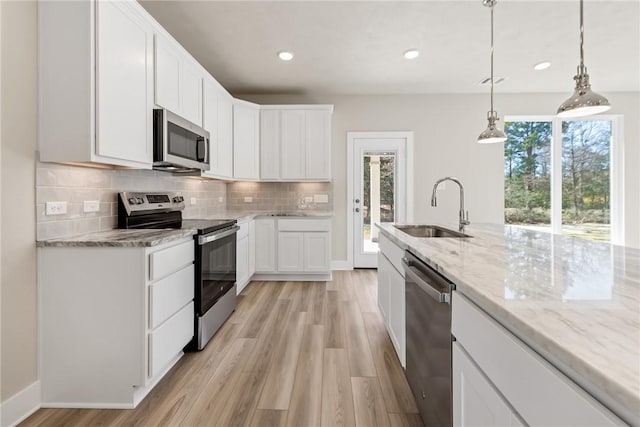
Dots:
{"x": 246, "y": 139}
{"x": 178, "y": 83}
{"x": 295, "y": 142}
{"x": 218, "y": 120}
{"x": 95, "y": 65}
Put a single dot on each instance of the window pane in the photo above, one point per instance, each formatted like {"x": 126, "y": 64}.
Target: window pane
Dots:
{"x": 586, "y": 157}
{"x": 379, "y": 196}
{"x": 527, "y": 174}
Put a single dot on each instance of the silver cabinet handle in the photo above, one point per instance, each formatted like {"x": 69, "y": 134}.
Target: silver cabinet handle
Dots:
{"x": 211, "y": 238}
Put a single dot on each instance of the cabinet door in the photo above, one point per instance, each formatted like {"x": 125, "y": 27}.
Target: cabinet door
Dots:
{"x": 384, "y": 271}
{"x": 476, "y": 402}
{"x": 316, "y": 252}
{"x": 245, "y": 141}
{"x": 210, "y": 123}
{"x": 191, "y": 92}
{"x": 318, "y": 144}
{"x": 265, "y": 245}
{"x": 269, "y": 144}
{"x": 252, "y": 248}
{"x": 167, "y": 73}
{"x": 124, "y": 104}
{"x": 397, "y": 313}
{"x": 242, "y": 262}
{"x": 290, "y": 251}
{"x": 225, "y": 134}
{"x": 293, "y": 144}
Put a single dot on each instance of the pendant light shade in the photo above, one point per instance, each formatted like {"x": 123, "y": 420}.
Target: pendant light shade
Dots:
{"x": 584, "y": 101}
{"x": 493, "y": 133}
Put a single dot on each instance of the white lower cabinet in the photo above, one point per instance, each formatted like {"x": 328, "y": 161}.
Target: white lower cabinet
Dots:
{"x": 113, "y": 321}
{"x": 290, "y": 251}
{"x": 317, "y": 254}
{"x": 265, "y": 247}
{"x": 496, "y": 376}
{"x": 391, "y": 295}
{"x": 243, "y": 274}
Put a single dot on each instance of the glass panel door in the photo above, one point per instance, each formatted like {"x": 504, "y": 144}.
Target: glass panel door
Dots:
{"x": 378, "y": 196}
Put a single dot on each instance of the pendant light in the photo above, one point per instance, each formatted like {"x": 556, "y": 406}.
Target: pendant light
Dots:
{"x": 584, "y": 101}
{"x": 492, "y": 133}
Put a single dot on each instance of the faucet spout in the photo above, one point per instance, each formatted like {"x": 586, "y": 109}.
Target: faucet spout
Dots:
{"x": 463, "y": 219}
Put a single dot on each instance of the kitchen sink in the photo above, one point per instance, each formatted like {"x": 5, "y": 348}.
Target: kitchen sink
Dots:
{"x": 428, "y": 231}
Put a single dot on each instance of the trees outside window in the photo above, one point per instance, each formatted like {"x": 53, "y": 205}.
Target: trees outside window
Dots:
{"x": 582, "y": 162}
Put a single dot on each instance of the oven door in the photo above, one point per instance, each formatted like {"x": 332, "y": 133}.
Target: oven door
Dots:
{"x": 215, "y": 267}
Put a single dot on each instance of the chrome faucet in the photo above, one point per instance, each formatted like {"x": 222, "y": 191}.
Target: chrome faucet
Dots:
{"x": 463, "y": 219}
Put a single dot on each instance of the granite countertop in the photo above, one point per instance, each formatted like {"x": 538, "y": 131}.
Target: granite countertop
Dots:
{"x": 120, "y": 238}
{"x": 574, "y": 301}
{"x": 248, "y": 215}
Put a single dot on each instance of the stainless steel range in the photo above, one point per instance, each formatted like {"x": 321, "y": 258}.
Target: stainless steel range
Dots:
{"x": 215, "y": 255}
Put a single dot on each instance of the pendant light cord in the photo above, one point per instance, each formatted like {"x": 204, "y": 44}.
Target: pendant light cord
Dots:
{"x": 492, "y": 58}
{"x": 581, "y": 35}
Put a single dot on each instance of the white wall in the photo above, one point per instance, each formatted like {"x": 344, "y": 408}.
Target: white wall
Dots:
{"x": 19, "y": 118}
{"x": 446, "y": 128}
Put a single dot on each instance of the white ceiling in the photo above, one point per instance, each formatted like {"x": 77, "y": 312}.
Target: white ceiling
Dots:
{"x": 356, "y": 47}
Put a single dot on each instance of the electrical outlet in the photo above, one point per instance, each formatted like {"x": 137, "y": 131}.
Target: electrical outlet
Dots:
{"x": 91, "y": 205}
{"x": 194, "y": 201}
{"x": 248, "y": 199}
{"x": 220, "y": 199}
{"x": 321, "y": 198}
{"x": 308, "y": 199}
{"x": 55, "y": 208}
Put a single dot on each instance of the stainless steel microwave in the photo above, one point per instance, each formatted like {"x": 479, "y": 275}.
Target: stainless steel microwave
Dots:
{"x": 178, "y": 145}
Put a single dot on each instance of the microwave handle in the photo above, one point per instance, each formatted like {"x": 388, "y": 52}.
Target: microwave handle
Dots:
{"x": 198, "y": 149}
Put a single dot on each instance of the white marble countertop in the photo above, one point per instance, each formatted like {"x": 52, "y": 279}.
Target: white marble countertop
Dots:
{"x": 574, "y": 301}
{"x": 248, "y": 215}
{"x": 120, "y": 238}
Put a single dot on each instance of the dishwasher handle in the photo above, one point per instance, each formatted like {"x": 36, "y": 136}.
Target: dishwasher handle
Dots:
{"x": 423, "y": 281}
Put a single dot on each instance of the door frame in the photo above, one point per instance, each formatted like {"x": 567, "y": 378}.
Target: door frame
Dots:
{"x": 351, "y": 137}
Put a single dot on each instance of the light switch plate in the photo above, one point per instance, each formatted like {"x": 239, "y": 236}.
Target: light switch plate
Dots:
{"x": 321, "y": 198}
{"x": 194, "y": 201}
{"x": 55, "y": 208}
{"x": 91, "y": 205}
{"x": 220, "y": 199}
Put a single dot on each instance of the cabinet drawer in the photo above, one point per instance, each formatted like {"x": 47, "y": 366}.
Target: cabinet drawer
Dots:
{"x": 170, "y": 294}
{"x": 304, "y": 225}
{"x": 523, "y": 377}
{"x": 393, "y": 252}
{"x": 169, "y": 339}
{"x": 166, "y": 261}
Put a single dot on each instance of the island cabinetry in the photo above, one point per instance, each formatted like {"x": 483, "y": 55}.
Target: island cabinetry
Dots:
{"x": 391, "y": 294}
{"x": 499, "y": 380}
{"x": 95, "y": 102}
{"x": 113, "y": 320}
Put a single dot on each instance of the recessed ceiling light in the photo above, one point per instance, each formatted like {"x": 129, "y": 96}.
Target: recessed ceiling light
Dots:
{"x": 285, "y": 56}
{"x": 411, "y": 54}
{"x": 542, "y": 65}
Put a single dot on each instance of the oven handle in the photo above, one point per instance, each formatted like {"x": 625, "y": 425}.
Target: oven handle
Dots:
{"x": 203, "y": 240}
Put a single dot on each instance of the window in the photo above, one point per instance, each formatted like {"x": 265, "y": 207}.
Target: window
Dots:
{"x": 558, "y": 176}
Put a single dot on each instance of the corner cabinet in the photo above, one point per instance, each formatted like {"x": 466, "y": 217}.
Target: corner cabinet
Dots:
{"x": 498, "y": 380}
{"x": 246, "y": 140}
{"x": 108, "y": 335}
{"x": 95, "y": 103}
{"x": 218, "y": 120}
{"x": 295, "y": 142}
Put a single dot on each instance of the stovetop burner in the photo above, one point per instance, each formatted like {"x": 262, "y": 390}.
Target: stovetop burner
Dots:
{"x": 206, "y": 226}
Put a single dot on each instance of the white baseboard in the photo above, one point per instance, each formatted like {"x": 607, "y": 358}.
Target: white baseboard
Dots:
{"x": 19, "y": 406}
{"x": 341, "y": 265}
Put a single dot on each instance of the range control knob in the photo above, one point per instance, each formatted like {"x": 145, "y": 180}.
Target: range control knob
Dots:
{"x": 132, "y": 200}
{"x": 139, "y": 200}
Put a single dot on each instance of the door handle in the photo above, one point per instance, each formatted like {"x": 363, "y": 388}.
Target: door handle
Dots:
{"x": 357, "y": 209}
{"x": 357, "y": 200}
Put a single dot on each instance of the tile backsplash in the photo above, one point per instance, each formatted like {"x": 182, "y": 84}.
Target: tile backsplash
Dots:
{"x": 279, "y": 196}
{"x": 76, "y": 184}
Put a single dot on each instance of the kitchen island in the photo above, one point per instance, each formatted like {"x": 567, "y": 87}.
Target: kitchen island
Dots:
{"x": 574, "y": 302}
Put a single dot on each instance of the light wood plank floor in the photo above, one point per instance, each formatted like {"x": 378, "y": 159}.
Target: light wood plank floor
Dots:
{"x": 292, "y": 354}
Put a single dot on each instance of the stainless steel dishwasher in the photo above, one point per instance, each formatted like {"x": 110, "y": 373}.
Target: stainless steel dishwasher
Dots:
{"x": 428, "y": 345}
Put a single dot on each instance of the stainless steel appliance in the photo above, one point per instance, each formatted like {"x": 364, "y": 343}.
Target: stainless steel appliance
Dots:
{"x": 215, "y": 255}
{"x": 428, "y": 345}
{"x": 179, "y": 146}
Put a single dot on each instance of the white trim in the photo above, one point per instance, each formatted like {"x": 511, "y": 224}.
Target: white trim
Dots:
{"x": 328, "y": 107}
{"x": 408, "y": 207}
{"x": 556, "y": 176}
{"x": 616, "y": 193}
{"x": 21, "y": 405}
{"x": 341, "y": 265}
